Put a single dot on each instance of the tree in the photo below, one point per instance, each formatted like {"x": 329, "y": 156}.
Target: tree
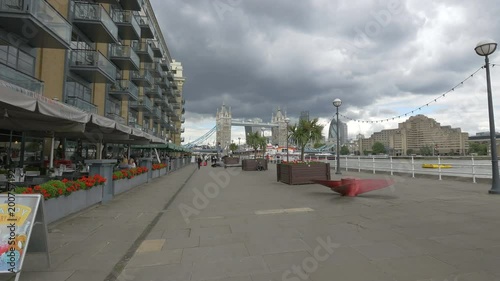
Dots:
{"x": 319, "y": 144}
{"x": 344, "y": 150}
{"x": 256, "y": 141}
{"x": 233, "y": 147}
{"x": 426, "y": 150}
{"x": 479, "y": 148}
{"x": 304, "y": 132}
{"x": 409, "y": 151}
{"x": 378, "y": 148}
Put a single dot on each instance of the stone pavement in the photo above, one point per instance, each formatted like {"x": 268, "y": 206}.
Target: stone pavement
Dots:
{"x": 230, "y": 225}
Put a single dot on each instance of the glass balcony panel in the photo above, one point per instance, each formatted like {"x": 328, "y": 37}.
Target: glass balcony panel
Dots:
{"x": 92, "y": 66}
{"x": 142, "y": 78}
{"x": 128, "y": 27}
{"x": 116, "y": 117}
{"x": 20, "y": 79}
{"x": 146, "y": 29}
{"x": 124, "y": 89}
{"x": 144, "y": 51}
{"x": 53, "y": 30}
{"x": 95, "y": 22}
{"x": 124, "y": 57}
{"x": 81, "y": 104}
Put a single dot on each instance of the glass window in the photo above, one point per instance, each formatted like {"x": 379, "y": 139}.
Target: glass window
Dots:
{"x": 26, "y": 63}
{"x": 75, "y": 89}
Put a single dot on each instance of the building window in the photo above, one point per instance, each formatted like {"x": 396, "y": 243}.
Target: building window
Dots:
{"x": 17, "y": 59}
{"x": 113, "y": 106}
{"x": 78, "y": 90}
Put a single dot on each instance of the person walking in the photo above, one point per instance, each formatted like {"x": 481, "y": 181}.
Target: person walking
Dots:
{"x": 199, "y": 162}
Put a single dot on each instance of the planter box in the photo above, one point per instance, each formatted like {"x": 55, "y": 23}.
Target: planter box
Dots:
{"x": 302, "y": 173}
{"x": 60, "y": 207}
{"x": 163, "y": 171}
{"x": 251, "y": 164}
{"x": 123, "y": 185}
{"x": 155, "y": 174}
{"x": 231, "y": 160}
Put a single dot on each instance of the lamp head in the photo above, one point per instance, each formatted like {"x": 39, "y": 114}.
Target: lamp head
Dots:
{"x": 287, "y": 120}
{"x": 337, "y": 102}
{"x": 486, "y": 47}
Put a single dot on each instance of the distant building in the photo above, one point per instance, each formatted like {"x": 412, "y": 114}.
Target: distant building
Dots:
{"x": 416, "y": 133}
{"x": 332, "y": 132}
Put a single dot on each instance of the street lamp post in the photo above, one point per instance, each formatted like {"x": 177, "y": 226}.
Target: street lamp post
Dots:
{"x": 486, "y": 48}
{"x": 287, "y": 120}
{"x": 337, "y": 103}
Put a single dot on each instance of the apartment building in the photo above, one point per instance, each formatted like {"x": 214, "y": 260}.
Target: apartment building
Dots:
{"x": 418, "y": 132}
{"x": 105, "y": 57}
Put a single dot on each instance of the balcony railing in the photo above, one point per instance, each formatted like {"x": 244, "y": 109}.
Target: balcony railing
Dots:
{"x": 92, "y": 66}
{"x": 142, "y": 78}
{"x": 81, "y": 104}
{"x": 143, "y": 50}
{"x": 142, "y": 103}
{"x": 146, "y": 29}
{"x": 95, "y": 22}
{"x": 154, "y": 92}
{"x": 125, "y": 89}
{"x": 124, "y": 57}
{"x": 24, "y": 17}
{"x": 20, "y": 79}
{"x": 128, "y": 27}
{"x": 157, "y": 49}
{"x": 116, "y": 117}
{"x": 183, "y": 120}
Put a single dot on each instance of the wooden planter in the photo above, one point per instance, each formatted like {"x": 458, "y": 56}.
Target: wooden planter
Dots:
{"x": 251, "y": 164}
{"x": 302, "y": 173}
{"x": 60, "y": 207}
{"x": 232, "y": 160}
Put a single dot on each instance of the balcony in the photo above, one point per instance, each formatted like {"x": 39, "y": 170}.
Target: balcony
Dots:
{"x": 163, "y": 83}
{"x": 143, "y": 104}
{"x": 132, "y": 5}
{"x": 116, "y": 117}
{"x": 182, "y": 139}
{"x": 183, "y": 110}
{"x": 170, "y": 76}
{"x": 164, "y": 65}
{"x": 93, "y": 20}
{"x": 183, "y": 120}
{"x": 143, "y": 50}
{"x": 20, "y": 79}
{"x": 81, "y": 104}
{"x": 164, "y": 102}
{"x": 128, "y": 27}
{"x": 124, "y": 90}
{"x": 36, "y": 22}
{"x": 146, "y": 29}
{"x": 157, "y": 50}
{"x": 156, "y": 113}
{"x": 175, "y": 117}
{"x": 92, "y": 66}
{"x": 124, "y": 57}
{"x": 154, "y": 68}
{"x": 154, "y": 92}
{"x": 177, "y": 106}
{"x": 142, "y": 78}
{"x": 182, "y": 129}
{"x": 183, "y": 102}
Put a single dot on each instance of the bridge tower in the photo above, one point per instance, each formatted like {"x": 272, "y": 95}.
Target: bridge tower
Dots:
{"x": 280, "y": 132}
{"x": 223, "y": 121}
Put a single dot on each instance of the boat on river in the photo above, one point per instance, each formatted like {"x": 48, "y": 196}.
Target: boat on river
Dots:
{"x": 436, "y": 166}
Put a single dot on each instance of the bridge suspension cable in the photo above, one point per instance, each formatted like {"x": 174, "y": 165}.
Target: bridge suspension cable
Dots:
{"x": 202, "y": 139}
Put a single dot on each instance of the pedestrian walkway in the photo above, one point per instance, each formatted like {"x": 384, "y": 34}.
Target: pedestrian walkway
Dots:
{"x": 230, "y": 225}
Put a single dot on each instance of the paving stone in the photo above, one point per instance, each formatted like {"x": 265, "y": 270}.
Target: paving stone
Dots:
{"x": 86, "y": 275}
{"x": 181, "y": 243}
{"x": 151, "y": 245}
{"x": 169, "y": 272}
{"x": 142, "y": 259}
{"x": 44, "y": 276}
{"x": 284, "y": 261}
{"x": 414, "y": 268}
{"x": 276, "y": 245}
{"x": 176, "y": 233}
{"x": 383, "y": 250}
{"x": 221, "y": 268}
{"x": 210, "y": 231}
{"x": 236, "y": 250}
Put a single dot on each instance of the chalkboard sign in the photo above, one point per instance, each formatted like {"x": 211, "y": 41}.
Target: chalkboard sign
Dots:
{"x": 21, "y": 218}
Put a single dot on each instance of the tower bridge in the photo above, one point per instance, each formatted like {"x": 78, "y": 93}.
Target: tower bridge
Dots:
{"x": 224, "y": 123}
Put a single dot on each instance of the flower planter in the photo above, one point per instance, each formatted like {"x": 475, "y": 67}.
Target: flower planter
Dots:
{"x": 163, "y": 171}
{"x": 251, "y": 164}
{"x": 302, "y": 173}
{"x": 123, "y": 185}
{"x": 155, "y": 174}
{"x": 60, "y": 207}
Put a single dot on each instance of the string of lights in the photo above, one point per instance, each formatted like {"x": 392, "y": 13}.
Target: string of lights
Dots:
{"x": 411, "y": 112}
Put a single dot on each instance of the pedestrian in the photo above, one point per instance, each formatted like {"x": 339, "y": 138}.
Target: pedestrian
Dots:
{"x": 199, "y": 162}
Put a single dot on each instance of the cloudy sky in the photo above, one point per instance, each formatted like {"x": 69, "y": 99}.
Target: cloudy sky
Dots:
{"x": 381, "y": 58}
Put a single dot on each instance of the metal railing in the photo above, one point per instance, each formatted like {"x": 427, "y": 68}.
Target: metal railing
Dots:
{"x": 467, "y": 167}
{"x": 124, "y": 52}
{"x": 86, "y": 58}
{"x": 81, "y": 104}
{"x": 120, "y": 16}
{"x": 86, "y": 11}
{"x": 125, "y": 86}
{"x": 20, "y": 79}
{"x": 42, "y": 11}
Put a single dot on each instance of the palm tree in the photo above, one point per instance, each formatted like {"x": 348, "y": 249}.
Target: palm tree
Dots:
{"x": 304, "y": 132}
{"x": 256, "y": 141}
